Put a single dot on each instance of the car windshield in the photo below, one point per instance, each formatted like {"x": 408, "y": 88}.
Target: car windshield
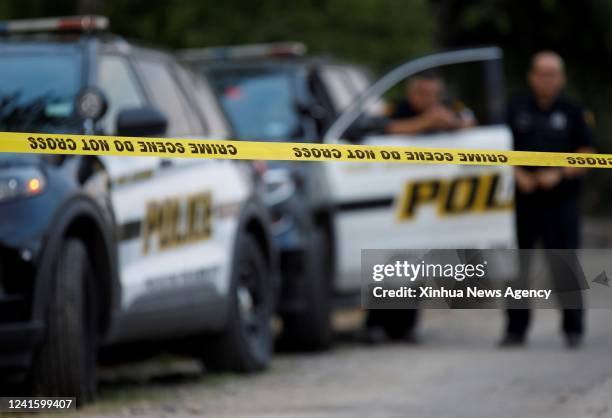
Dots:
{"x": 37, "y": 92}
{"x": 260, "y": 104}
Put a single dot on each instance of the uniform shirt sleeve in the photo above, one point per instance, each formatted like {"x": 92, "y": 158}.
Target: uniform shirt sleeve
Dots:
{"x": 582, "y": 135}
{"x": 403, "y": 110}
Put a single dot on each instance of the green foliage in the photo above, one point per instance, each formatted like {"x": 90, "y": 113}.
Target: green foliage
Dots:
{"x": 376, "y": 33}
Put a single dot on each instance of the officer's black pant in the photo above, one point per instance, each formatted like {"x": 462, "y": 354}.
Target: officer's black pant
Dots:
{"x": 397, "y": 323}
{"x": 557, "y": 226}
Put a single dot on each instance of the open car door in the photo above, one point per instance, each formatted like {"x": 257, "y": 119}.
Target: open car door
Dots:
{"x": 405, "y": 206}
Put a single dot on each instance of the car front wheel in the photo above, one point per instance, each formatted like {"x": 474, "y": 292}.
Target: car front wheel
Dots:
{"x": 246, "y": 344}
{"x": 311, "y": 328}
{"x": 66, "y": 362}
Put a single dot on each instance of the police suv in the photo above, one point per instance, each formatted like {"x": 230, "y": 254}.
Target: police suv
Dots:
{"x": 106, "y": 252}
{"x": 326, "y": 213}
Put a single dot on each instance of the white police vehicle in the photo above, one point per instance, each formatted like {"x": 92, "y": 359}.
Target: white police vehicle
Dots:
{"x": 99, "y": 255}
{"x": 385, "y": 205}
{"x": 326, "y": 213}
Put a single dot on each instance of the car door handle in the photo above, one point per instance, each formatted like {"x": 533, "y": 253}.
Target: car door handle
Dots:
{"x": 165, "y": 162}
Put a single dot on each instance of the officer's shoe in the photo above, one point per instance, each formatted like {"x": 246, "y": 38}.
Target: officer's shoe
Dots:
{"x": 512, "y": 340}
{"x": 573, "y": 340}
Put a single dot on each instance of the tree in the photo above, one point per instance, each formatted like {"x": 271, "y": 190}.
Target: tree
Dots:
{"x": 376, "y": 33}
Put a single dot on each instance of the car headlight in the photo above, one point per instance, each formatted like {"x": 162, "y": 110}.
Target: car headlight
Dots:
{"x": 21, "y": 182}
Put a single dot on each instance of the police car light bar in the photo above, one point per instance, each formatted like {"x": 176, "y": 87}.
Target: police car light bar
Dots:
{"x": 89, "y": 23}
{"x": 244, "y": 51}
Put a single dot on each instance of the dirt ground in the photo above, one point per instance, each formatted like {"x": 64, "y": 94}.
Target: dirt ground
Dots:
{"x": 455, "y": 371}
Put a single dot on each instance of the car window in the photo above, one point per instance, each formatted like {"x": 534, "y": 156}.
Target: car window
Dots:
{"x": 37, "y": 91}
{"x": 360, "y": 82}
{"x": 260, "y": 104}
{"x": 345, "y": 84}
{"x": 358, "y": 79}
{"x": 116, "y": 80}
{"x": 216, "y": 125}
{"x": 167, "y": 97}
{"x": 338, "y": 85}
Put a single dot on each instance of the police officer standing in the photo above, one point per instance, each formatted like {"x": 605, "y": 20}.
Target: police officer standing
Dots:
{"x": 547, "y": 199}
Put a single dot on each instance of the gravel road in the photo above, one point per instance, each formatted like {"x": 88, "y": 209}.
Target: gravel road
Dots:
{"x": 456, "y": 371}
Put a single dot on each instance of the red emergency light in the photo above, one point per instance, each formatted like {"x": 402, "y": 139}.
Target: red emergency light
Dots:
{"x": 280, "y": 49}
{"x": 84, "y": 24}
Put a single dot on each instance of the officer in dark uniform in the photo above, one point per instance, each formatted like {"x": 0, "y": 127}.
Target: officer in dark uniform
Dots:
{"x": 422, "y": 111}
{"x": 547, "y": 199}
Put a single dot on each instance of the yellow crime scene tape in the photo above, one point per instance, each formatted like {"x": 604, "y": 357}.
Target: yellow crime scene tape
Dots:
{"x": 19, "y": 142}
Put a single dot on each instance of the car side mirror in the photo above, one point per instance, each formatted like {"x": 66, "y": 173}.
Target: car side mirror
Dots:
{"x": 141, "y": 121}
{"x": 91, "y": 103}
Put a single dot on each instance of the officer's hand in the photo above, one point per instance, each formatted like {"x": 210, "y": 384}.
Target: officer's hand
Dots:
{"x": 442, "y": 118}
{"x": 549, "y": 177}
{"x": 574, "y": 172}
{"x": 525, "y": 181}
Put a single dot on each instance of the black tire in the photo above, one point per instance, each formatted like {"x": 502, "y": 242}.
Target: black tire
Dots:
{"x": 65, "y": 364}
{"x": 246, "y": 344}
{"x": 395, "y": 326}
{"x": 311, "y": 329}
{"x": 398, "y": 324}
